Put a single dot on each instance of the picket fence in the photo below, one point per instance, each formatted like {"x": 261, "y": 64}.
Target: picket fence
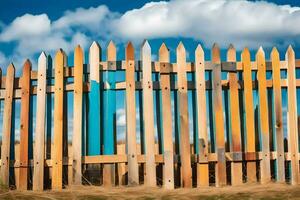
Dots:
{"x": 245, "y": 142}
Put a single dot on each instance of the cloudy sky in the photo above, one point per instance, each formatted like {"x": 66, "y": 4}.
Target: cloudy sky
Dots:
{"x": 31, "y": 26}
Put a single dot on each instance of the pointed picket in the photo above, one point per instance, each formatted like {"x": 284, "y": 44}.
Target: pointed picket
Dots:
{"x": 78, "y": 115}
{"x": 24, "y": 127}
{"x": 7, "y": 124}
{"x": 292, "y": 125}
{"x": 185, "y": 154}
{"x": 57, "y": 156}
{"x": 133, "y": 170}
{"x": 39, "y": 146}
{"x": 109, "y": 111}
{"x": 93, "y": 136}
{"x": 148, "y": 115}
{"x": 218, "y": 117}
{"x": 168, "y": 167}
{"x": 249, "y": 114}
{"x": 277, "y": 117}
{"x": 201, "y": 140}
{"x": 235, "y": 143}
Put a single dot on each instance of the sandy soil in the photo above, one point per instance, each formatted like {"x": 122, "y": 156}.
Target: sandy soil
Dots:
{"x": 270, "y": 191}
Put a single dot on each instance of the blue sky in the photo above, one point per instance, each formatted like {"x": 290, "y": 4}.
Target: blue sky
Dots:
{"x": 29, "y": 27}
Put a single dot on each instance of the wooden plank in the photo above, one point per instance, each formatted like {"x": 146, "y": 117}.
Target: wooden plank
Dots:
{"x": 202, "y": 168}
{"x": 265, "y": 173}
{"x": 148, "y": 115}
{"x": 133, "y": 170}
{"x": 249, "y": 114}
{"x": 185, "y": 154}
{"x": 292, "y": 123}
{"x": 218, "y": 118}
{"x": 168, "y": 167}
{"x": 277, "y": 117}
{"x": 235, "y": 127}
{"x": 93, "y": 137}
{"x": 57, "y": 152}
{"x": 39, "y": 146}
{"x": 78, "y": 115}
{"x": 7, "y": 125}
{"x": 24, "y": 127}
{"x": 109, "y": 111}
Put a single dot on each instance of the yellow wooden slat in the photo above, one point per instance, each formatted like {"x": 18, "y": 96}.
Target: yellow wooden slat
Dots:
{"x": 133, "y": 171}
{"x": 57, "y": 152}
{"x": 220, "y": 169}
{"x": 235, "y": 143}
{"x": 292, "y": 124}
{"x": 277, "y": 103}
{"x": 168, "y": 168}
{"x": 185, "y": 157}
{"x": 265, "y": 174}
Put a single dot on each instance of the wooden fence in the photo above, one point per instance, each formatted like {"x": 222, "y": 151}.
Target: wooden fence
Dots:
{"x": 227, "y": 132}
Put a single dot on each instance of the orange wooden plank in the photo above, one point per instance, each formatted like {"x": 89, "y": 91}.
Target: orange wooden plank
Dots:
{"x": 7, "y": 124}
{"x": 202, "y": 168}
{"x": 148, "y": 115}
{"x": 78, "y": 115}
{"x": 168, "y": 167}
{"x": 185, "y": 154}
{"x": 235, "y": 126}
{"x": 293, "y": 148}
{"x": 218, "y": 117}
{"x": 249, "y": 113}
{"x": 24, "y": 127}
{"x": 39, "y": 145}
{"x": 57, "y": 152}
{"x": 277, "y": 117}
{"x": 133, "y": 170}
{"x": 265, "y": 173}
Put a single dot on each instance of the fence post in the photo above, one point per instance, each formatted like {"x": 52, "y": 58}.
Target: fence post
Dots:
{"x": 148, "y": 114}
{"x": 168, "y": 167}
{"x": 218, "y": 117}
{"x": 78, "y": 115}
{"x": 24, "y": 127}
{"x": 7, "y": 124}
{"x": 133, "y": 169}
{"x": 293, "y": 148}
{"x": 39, "y": 146}
{"x": 202, "y": 166}
{"x": 277, "y": 116}
{"x": 185, "y": 155}
{"x": 265, "y": 174}
{"x": 235, "y": 127}
{"x": 57, "y": 158}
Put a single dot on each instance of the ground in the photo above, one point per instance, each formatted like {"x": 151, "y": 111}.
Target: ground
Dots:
{"x": 270, "y": 191}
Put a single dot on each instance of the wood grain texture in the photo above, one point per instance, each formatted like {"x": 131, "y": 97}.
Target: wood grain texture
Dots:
{"x": 249, "y": 113}
{"x": 265, "y": 173}
{"x": 185, "y": 155}
{"x": 168, "y": 167}
{"x": 292, "y": 125}
{"x": 109, "y": 111}
{"x": 93, "y": 136}
{"x": 202, "y": 168}
{"x": 24, "y": 127}
{"x": 220, "y": 169}
{"x": 277, "y": 116}
{"x": 39, "y": 145}
{"x": 133, "y": 170}
{"x": 78, "y": 115}
{"x": 57, "y": 152}
{"x": 148, "y": 115}
{"x": 235, "y": 126}
{"x": 7, "y": 124}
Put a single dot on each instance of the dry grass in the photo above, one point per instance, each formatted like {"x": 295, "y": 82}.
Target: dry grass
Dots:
{"x": 271, "y": 191}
